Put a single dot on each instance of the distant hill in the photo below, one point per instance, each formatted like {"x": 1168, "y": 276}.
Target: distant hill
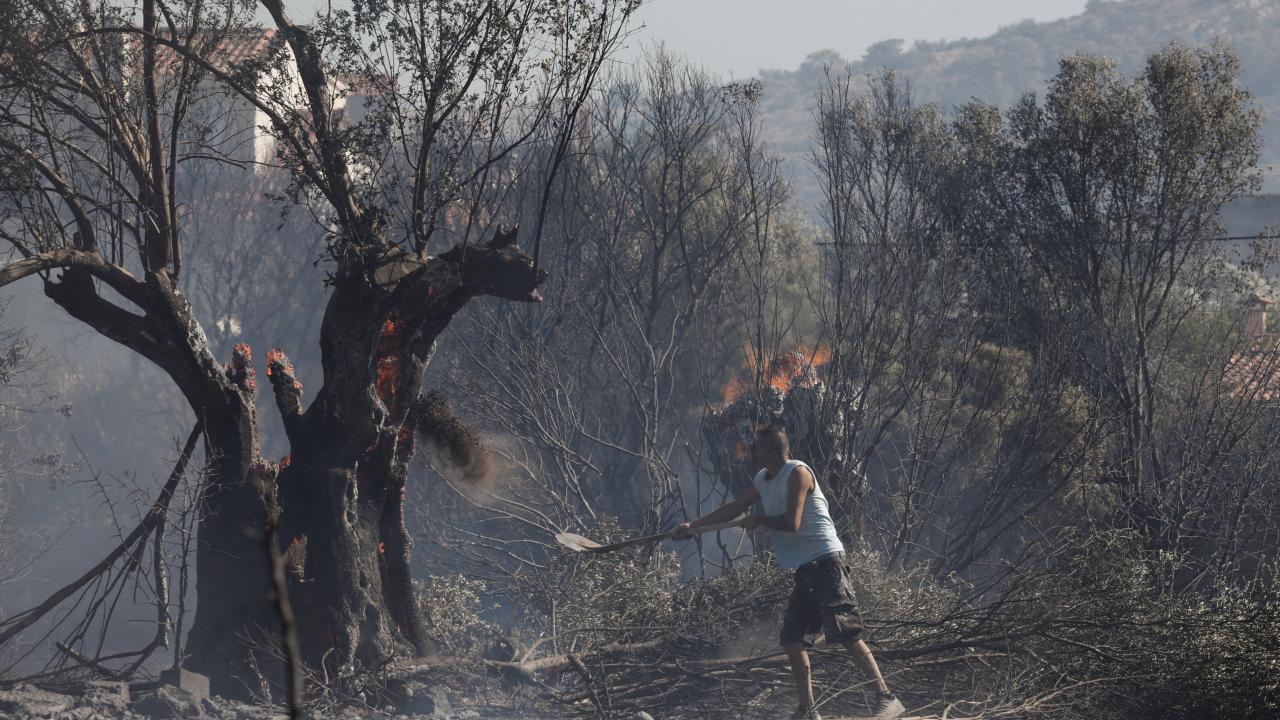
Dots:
{"x": 999, "y": 68}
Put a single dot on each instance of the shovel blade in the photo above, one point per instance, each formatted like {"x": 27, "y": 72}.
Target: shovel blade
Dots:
{"x": 577, "y": 543}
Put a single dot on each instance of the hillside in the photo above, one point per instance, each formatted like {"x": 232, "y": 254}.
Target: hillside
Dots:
{"x": 999, "y": 68}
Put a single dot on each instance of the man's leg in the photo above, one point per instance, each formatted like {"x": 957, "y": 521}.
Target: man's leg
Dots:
{"x": 800, "y": 672}
{"x": 862, "y": 655}
{"x": 801, "y": 613}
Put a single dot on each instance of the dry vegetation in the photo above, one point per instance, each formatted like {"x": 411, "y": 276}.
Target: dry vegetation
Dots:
{"x": 1048, "y": 437}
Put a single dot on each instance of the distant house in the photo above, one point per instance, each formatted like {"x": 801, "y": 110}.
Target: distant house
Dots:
{"x": 1254, "y": 369}
{"x": 236, "y": 127}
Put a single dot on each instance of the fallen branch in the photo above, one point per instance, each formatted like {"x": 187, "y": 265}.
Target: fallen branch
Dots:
{"x": 586, "y": 682}
{"x": 86, "y": 662}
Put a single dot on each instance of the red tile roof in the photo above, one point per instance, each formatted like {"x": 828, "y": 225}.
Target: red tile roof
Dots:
{"x": 235, "y": 48}
{"x": 1255, "y": 370}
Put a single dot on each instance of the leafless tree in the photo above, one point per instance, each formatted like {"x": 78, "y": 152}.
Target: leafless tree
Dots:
{"x": 593, "y": 401}
{"x": 19, "y": 383}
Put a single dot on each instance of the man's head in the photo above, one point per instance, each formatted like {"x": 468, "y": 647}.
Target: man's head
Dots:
{"x": 772, "y": 447}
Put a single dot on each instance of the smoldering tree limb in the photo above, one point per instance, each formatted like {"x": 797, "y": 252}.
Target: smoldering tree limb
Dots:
{"x": 437, "y": 424}
{"x": 286, "y": 389}
{"x": 154, "y": 519}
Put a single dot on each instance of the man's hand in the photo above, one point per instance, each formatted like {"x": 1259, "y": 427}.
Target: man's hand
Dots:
{"x": 751, "y": 522}
{"x": 724, "y": 513}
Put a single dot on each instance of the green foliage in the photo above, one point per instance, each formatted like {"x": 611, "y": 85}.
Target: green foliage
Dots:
{"x": 453, "y": 608}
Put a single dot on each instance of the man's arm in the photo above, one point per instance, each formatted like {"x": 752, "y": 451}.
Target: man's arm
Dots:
{"x": 799, "y": 485}
{"x": 724, "y": 513}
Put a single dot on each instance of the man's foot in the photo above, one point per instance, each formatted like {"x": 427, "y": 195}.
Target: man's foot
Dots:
{"x": 887, "y": 707}
{"x": 804, "y": 713}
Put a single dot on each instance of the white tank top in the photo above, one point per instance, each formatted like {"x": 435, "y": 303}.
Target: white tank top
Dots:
{"x": 817, "y": 534}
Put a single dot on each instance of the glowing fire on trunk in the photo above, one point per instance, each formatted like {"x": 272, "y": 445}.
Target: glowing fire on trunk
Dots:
{"x": 388, "y": 361}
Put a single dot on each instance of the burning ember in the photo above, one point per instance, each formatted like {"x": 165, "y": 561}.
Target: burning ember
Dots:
{"x": 288, "y": 389}
{"x": 388, "y": 362}
{"x": 240, "y": 369}
{"x": 278, "y": 362}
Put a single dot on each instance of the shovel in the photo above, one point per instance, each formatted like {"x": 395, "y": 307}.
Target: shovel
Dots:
{"x": 577, "y": 543}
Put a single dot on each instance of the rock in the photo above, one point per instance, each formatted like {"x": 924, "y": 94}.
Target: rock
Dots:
{"x": 430, "y": 701}
{"x": 194, "y": 683}
{"x": 169, "y": 703}
{"x": 399, "y": 693}
{"x": 29, "y": 701}
{"x": 107, "y": 695}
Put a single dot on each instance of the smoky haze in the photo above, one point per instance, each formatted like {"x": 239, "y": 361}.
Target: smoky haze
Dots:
{"x": 737, "y": 38}
{"x": 750, "y": 223}
{"x": 122, "y": 418}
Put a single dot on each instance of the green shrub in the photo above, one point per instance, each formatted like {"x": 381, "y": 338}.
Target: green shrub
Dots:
{"x": 452, "y": 606}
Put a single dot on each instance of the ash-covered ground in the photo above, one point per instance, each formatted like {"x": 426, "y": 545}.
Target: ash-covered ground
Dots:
{"x": 110, "y": 700}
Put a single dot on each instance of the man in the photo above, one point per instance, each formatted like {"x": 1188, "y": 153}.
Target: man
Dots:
{"x": 804, "y": 537}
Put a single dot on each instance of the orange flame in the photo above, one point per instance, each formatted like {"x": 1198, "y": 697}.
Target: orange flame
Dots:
{"x": 732, "y": 390}
{"x": 781, "y": 372}
{"x": 241, "y": 367}
{"x": 382, "y": 547}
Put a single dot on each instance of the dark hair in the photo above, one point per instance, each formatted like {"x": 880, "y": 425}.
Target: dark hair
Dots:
{"x": 774, "y": 436}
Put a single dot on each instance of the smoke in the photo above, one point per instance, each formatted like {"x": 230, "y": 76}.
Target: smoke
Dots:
{"x": 755, "y": 637}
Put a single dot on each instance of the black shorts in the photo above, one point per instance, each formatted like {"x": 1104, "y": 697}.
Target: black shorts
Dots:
{"x": 822, "y": 599}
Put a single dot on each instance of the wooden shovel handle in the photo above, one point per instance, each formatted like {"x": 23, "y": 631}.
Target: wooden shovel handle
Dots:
{"x": 712, "y": 528}
{"x": 665, "y": 536}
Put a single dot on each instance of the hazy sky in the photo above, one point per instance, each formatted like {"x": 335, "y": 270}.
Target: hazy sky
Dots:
{"x": 736, "y": 38}
{"x": 739, "y": 37}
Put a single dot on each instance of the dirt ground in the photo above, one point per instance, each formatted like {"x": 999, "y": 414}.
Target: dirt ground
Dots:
{"x": 460, "y": 700}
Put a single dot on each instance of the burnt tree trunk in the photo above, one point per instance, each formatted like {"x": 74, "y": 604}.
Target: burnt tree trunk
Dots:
{"x": 232, "y": 567}
{"x": 341, "y": 490}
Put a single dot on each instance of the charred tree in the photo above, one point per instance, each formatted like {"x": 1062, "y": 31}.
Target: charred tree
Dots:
{"x": 341, "y": 489}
